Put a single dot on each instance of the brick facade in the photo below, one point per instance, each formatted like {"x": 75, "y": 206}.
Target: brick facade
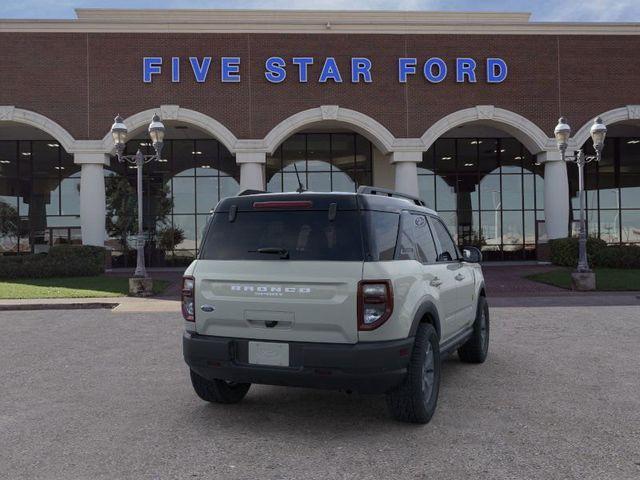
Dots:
{"x": 80, "y": 80}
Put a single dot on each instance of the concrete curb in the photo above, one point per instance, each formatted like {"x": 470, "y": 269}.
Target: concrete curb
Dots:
{"x": 57, "y": 306}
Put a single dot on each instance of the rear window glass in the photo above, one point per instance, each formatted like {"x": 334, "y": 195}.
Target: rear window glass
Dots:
{"x": 303, "y": 235}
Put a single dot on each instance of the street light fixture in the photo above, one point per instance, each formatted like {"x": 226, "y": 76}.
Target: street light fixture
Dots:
{"x": 119, "y": 133}
{"x": 598, "y": 133}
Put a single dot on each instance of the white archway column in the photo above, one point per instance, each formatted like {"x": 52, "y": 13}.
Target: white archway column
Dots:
{"x": 556, "y": 194}
{"x": 251, "y": 169}
{"x": 406, "y": 167}
{"x": 92, "y": 196}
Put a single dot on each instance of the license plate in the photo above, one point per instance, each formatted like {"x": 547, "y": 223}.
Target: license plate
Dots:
{"x": 268, "y": 353}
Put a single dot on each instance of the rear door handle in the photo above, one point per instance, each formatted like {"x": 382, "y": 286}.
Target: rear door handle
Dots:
{"x": 436, "y": 282}
{"x": 459, "y": 277}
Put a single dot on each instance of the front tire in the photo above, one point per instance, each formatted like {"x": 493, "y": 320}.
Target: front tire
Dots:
{"x": 415, "y": 400}
{"x": 218, "y": 391}
{"x": 475, "y": 350}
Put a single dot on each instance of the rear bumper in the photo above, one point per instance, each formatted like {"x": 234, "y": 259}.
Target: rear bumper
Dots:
{"x": 374, "y": 367}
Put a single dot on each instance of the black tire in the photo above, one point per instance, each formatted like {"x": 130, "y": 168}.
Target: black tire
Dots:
{"x": 475, "y": 350}
{"x": 415, "y": 401}
{"x": 218, "y": 391}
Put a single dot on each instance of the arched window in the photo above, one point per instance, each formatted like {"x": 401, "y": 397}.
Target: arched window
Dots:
{"x": 325, "y": 162}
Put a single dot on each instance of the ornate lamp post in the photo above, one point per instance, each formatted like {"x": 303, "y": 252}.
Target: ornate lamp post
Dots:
{"x": 156, "y": 132}
{"x": 583, "y": 278}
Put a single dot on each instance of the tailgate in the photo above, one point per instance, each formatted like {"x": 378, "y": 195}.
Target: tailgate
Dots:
{"x": 303, "y": 301}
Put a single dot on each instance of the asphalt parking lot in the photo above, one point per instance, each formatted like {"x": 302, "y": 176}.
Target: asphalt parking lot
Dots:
{"x": 103, "y": 395}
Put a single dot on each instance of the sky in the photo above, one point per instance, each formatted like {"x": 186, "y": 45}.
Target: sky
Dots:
{"x": 542, "y": 10}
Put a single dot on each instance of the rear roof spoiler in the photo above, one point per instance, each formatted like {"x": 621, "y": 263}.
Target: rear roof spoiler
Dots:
{"x": 249, "y": 191}
{"x": 365, "y": 190}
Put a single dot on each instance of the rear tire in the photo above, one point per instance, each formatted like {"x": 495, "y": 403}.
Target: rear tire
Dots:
{"x": 475, "y": 350}
{"x": 415, "y": 400}
{"x": 218, "y": 391}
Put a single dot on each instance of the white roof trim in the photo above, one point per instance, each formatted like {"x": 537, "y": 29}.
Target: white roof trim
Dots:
{"x": 311, "y": 21}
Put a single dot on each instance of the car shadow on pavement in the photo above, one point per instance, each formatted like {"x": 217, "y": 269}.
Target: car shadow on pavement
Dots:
{"x": 321, "y": 413}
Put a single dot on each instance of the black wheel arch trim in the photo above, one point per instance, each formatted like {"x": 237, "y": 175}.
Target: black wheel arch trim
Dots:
{"x": 427, "y": 308}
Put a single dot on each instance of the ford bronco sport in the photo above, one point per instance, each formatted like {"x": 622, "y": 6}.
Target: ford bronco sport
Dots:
{"x": 357, "y": 291}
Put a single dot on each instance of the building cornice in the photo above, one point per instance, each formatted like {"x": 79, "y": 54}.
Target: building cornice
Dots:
{"x": 311, "y": 22}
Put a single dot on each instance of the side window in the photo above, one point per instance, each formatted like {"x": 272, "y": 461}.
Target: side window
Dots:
{"x": 448, "y": 252}
{"x": 406, "y": 249}
{"x": 415, "y": 241}
{"x": 425, "y": 246}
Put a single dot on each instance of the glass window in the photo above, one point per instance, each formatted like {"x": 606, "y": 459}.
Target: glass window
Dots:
{"x": 425, "y": 246}
{"x": 512, "y": 228}
{"x": 8, "y": 159}
{"x": 45, "y": 157}
{"x": 206, "y": 157}
{"x": 325, "y": 162}
{"x": 382, "y": 233}
{"x": 70, "y": 196}
{"x": 304, "y": 235}
{"x": 467, "y": 155}
{"x": 183, "y": 155}
{"x": 207, "y": 194}
{"x": 188, "y": 225}
{"x": 490, "y": 198}
{"x": 446, "y": 156}
{"x": 488, "y": 155}
{"x": 610, "y": 226}
{"x": 426, "y": 166}
{"x": 630, "y": 226}
{"x": 426, "y": 185}
{"x": 445, "y": 193}
{"x": 183, "y": 195}
{"x": 511, "y": 155}
{"x": 448, "y": 251}
{"x": 511, "y": 192}
{"x": 319, "y": 152}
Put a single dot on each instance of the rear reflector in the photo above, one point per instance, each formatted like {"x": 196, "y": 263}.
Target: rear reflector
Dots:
{"x": 284, "y": 204}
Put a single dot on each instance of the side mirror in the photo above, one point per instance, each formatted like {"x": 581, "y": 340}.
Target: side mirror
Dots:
{"x": 471, "y": 254}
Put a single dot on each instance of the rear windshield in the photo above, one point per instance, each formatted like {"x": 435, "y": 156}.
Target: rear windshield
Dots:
{"x": 292, "y": 235}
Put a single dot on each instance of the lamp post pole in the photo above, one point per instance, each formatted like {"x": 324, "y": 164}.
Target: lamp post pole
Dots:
{"x": 583, "y": 262}
{"x": 562, "y": 133}
{"x": 156, "y": 132}
{"x": 141, "y": 271}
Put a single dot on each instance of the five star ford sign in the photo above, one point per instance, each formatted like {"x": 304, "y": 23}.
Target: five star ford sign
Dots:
{"x": 361, "y": 69}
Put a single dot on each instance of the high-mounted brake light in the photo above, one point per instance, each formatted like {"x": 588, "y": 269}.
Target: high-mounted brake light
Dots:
{"x": 375, "y": 303}
{"x": 188, "y": 298}
{"x": 284, "y": 204}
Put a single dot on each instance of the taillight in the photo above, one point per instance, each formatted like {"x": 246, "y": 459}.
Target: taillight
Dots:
{"x": 375, "y": 303}
{"x": 188, "y": 298}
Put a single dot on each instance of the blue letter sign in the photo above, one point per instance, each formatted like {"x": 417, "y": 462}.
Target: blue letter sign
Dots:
{"x": 151, "y": 66}
{"x": 442, "y": 70}
{"x": 330, "y": 71}
{"x": 275, "y": 69}
{"x": 496, "y": 70}
{"x": 434, "y": 69}
{"x": 200, "y": 71}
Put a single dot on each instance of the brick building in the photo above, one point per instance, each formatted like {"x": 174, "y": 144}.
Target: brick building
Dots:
{"x": 458, "y": 108}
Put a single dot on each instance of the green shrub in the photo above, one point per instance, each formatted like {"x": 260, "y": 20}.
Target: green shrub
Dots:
{"x": 61, "y": 261}
{"x": 618, "y": 256}
{"x": 564, "y": 251}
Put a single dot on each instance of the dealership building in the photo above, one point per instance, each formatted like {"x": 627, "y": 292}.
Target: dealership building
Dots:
{"x": 457, "y": 108}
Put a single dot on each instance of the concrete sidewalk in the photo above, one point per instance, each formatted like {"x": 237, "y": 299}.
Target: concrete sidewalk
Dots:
{"x": 116, "y": 304}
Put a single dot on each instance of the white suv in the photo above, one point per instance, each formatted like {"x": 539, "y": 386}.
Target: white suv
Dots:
{"x": 357, "y": 291}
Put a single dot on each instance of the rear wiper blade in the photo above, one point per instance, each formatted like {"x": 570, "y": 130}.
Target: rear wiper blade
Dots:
{"x": 283, "y": 252}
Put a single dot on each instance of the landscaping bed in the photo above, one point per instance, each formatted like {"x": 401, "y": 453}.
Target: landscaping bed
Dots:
{"x": 71, "y": 287}
{"x": 607, "y": 279}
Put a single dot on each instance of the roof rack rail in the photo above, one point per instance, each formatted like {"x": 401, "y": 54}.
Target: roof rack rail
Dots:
{"x": 390, "y": 193}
